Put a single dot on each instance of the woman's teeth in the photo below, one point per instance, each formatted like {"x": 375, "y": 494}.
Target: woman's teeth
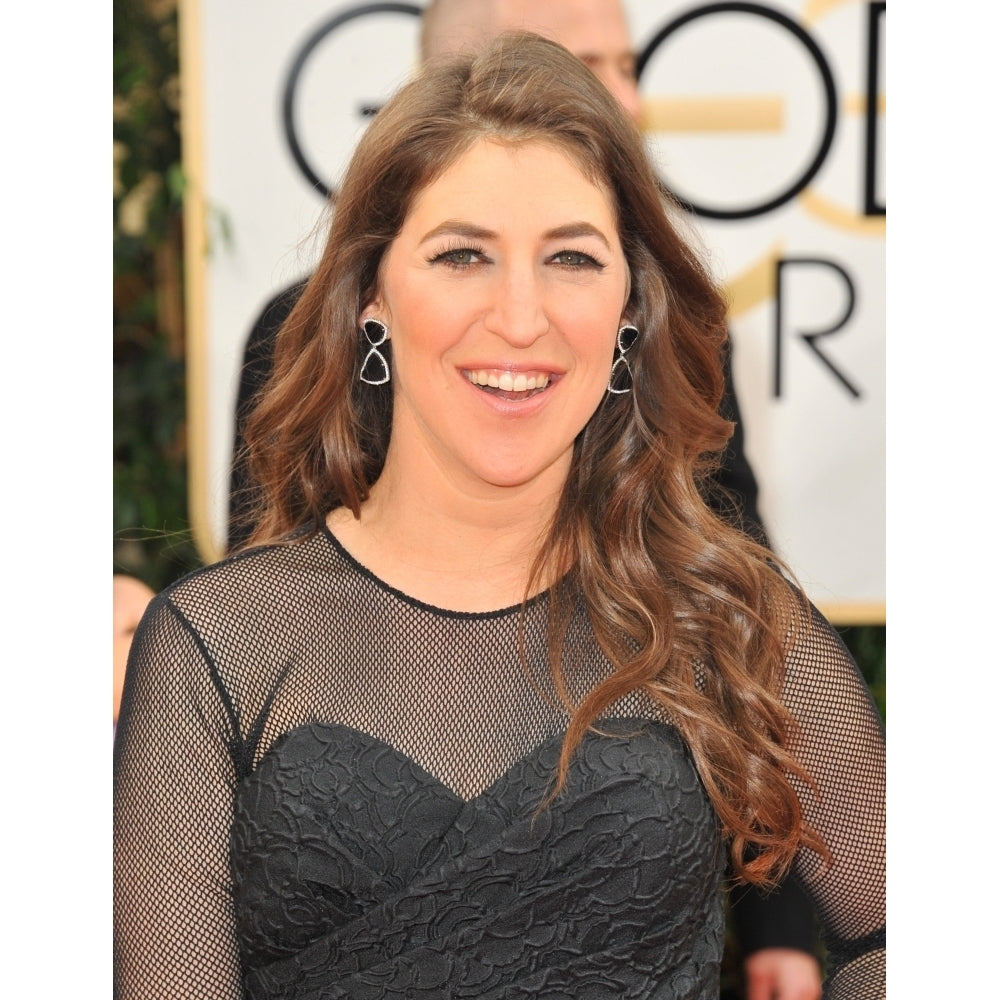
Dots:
{"x": 507, "y": 381}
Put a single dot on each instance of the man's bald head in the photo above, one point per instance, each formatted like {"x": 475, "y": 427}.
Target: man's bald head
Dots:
{"x": 594, "y": 30}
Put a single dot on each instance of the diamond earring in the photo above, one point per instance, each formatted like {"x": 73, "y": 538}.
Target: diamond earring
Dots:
{"x": 620, "y": 380}
{"x": 376, "y": 333}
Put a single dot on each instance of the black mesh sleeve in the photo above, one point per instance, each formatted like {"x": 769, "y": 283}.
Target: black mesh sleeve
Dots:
{"x": 174, "y": 782}
{"x": 841, "y": 744}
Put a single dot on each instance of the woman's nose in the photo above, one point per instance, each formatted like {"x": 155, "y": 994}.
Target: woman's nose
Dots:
{"x": 517, "y": 312}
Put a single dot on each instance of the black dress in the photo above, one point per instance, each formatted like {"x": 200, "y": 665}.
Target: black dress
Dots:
{"x": 324, "y": 788}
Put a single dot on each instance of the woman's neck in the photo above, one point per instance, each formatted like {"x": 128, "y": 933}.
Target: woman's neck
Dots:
{"x": 447, "y": 546}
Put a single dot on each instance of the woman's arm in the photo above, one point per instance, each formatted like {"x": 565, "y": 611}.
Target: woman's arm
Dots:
{"x": 841, "y": 744}
{"x": 173, "y": 788}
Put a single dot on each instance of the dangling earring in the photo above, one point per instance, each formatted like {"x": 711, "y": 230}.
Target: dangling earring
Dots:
{"x": 376, "y": 333}
{"x": 621, "y": 371}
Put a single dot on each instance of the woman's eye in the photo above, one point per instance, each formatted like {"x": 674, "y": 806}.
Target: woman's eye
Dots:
{"x": 460, "y": 258}
{"x": 574, "y": 258}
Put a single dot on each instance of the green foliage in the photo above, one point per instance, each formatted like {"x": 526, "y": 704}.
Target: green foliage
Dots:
{"x": 151, "y": 534}
{"x": 146, "y": 122}
{"x": 150, "y": 488}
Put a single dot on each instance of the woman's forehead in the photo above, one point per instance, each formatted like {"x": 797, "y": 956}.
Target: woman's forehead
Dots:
{"x": 499, "y": 169}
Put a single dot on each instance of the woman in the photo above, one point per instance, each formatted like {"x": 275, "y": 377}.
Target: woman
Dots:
{"x": 492, "y": 695}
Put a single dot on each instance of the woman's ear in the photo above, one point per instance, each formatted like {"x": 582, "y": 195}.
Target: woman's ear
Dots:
{"x": 373, "y": 309}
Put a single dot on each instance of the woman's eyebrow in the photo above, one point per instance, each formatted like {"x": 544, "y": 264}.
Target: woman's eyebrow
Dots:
{"x": 569, "y": 231}
{"x": 576, "y": 230}
{"x": 456, "y": 227}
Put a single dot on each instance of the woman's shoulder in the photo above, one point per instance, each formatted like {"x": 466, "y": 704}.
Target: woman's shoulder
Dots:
{"x": 821, "y": 674}
{"x": 246, "y": 583}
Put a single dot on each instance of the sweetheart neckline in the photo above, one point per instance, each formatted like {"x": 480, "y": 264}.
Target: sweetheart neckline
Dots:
{"x": 631, "y": 727}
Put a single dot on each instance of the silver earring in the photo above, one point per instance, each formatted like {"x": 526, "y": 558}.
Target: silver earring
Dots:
{"x": 376, "y": 333}
{"x": 620, "y": 380}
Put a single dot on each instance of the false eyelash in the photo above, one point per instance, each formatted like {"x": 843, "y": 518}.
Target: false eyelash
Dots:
{"x": 454, "y": 248}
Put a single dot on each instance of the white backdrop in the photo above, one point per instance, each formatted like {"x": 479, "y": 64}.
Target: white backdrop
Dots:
{"x": 768, "y": 119}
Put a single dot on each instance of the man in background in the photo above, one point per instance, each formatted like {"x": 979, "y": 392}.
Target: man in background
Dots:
{"x": 776, "y": 931}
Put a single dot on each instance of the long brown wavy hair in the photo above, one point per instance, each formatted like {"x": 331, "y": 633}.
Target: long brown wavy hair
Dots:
{"x": 688, "y": 609}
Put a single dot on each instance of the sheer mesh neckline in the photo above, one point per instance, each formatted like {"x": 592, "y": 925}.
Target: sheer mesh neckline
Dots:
{"x": 420, "y": 605}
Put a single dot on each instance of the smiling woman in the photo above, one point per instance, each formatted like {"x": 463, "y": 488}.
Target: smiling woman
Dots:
{"x": 491, "y": 695}
{"x": 503, "y": 292}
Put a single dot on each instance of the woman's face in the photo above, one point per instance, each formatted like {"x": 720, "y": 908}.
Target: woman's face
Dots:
{"x": 503, "y": 294}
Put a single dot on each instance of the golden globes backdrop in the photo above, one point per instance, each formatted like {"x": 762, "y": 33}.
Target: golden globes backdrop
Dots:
{"x": 767, "y": 121}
